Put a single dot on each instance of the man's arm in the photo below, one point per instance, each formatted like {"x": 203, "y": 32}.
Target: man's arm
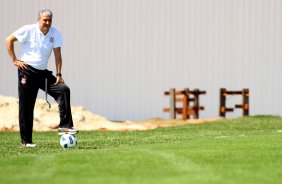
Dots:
{"x": 58, "y": 62}
{"x": 11, "y": 51}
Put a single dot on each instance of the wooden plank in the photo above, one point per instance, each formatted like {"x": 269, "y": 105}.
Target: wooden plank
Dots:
{"x": 176, "y": 93}
{"x": 179, "y": 92}
{"x": 196, "y": 102}
{"x": 201, "y": 108}
{"x": 246, "y": 102}
{"x": 172, "y": 103}
{"x": 234, "y": 92}
{"x": 166, "y": 93}
{"x": 179, "y": 99}
{"x": 229, "y": 109}
{"x": 198, "y": 92}
{"x": 238, "y": 106}
{"x": 191, "y": 111}
{"x": 222, "y": 102}
{"x": 184, "y": 108}
{"x": 166, "y": 109}
{"x": 191, "y": 99}
{"x": 178, "y": 110}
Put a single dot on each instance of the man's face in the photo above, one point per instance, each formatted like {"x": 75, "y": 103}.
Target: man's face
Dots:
{"x": 45, "y": 22}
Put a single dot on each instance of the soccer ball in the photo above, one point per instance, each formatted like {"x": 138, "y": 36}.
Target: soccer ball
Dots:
{"x": 68, "y": 141}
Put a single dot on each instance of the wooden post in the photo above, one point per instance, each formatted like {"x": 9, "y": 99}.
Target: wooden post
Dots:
{"x": 185, "y": 107}
{"x": 186, "y": 104}
{"x": 172, "y": 103}
{"x": 222, "y": 97}
{"x": 245, "y": 104}
{"x": 196, "y": 103}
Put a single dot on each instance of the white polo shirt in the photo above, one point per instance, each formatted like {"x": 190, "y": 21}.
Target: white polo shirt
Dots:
{"x": 37, "y": 47}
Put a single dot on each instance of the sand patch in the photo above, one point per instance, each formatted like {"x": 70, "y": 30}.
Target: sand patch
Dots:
{"x": 46, "y": 119}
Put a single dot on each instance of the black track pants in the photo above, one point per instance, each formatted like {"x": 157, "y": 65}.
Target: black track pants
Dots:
{"x": 30, "y": 81}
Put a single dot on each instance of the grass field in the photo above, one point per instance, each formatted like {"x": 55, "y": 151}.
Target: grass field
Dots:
{"x": 244, "y": 150}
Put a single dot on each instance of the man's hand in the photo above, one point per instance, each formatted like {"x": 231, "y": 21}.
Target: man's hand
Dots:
{"x": 59, "y": 80}
{"x": 20, "y": 64}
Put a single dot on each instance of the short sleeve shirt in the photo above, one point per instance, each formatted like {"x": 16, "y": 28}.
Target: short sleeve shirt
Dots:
{"x": 37, "y": 47}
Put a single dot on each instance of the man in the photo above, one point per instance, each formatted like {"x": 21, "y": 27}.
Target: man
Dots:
{"x": 37, "y": 42}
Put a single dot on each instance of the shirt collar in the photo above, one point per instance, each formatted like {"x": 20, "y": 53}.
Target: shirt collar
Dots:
{"x": 39, "y": 31}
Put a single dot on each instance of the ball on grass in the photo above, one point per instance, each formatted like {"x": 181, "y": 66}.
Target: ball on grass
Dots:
{"x": 68, "y": 141}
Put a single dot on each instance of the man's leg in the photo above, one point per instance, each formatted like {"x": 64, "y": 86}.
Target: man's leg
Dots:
{"x": 27, "y": 96}
{"x": 62, "y": 97}
{"x": 61, "y": 93}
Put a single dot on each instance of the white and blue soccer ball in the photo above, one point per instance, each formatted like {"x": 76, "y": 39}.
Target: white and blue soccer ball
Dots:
{"x": 68, "y": 141}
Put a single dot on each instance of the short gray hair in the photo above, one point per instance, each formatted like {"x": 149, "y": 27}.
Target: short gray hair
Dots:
{"x": 41, "y": 12}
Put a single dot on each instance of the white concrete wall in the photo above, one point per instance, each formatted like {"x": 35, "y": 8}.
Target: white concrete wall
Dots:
{"x": 121, "y": 55}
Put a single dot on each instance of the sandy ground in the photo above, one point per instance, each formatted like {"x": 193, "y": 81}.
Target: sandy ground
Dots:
{"x": 46, "y": 119}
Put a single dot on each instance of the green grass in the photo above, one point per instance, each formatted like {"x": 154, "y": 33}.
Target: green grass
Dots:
{"x": 244, "y": 150}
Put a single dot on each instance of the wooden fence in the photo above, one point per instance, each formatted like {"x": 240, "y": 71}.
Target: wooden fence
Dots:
{"x": 189, "y": 100}
{"x": 244, "y": 106}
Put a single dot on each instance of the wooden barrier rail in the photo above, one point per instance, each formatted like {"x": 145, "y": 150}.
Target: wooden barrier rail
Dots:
{"x": 244, "y": 106}
{"x": 190, "y": 103}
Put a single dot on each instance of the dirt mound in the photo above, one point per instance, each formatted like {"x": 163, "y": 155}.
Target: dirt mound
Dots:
{"x": 45, "y": 119}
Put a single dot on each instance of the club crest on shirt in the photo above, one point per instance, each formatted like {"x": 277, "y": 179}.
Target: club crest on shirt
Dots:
{"x": 51, "y": 39}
